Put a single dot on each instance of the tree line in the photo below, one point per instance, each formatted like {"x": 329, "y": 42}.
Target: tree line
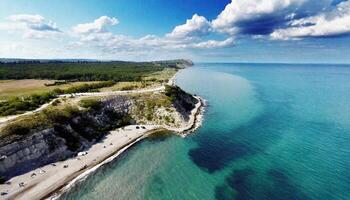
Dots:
{"x": 79, "y": 71}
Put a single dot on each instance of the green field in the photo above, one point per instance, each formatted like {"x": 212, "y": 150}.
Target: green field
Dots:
{"x": 85, "y": 71}
{"x": 19, "y": 104}
{"x": 24, "y": 86}
{"x": 27, "y": 87}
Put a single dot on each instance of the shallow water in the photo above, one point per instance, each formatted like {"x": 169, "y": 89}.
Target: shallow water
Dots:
{"x": 270, "y": 132}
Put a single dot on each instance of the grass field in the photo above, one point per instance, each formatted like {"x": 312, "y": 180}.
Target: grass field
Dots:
{"x": 161, "y": 76}
{"x": 26, "y": 87}
{"x": 152, "y": 80}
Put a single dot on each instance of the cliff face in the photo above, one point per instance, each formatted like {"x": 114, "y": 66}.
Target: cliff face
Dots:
{"x": 183, "y": 102}
{"x": 63, "y": 140}
{"x": 171, "y": 108}
{"x": 32, "y": 152}
{"x": 179, "y": 63}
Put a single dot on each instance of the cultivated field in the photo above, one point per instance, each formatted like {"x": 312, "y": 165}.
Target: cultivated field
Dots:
{"x": 26, "y": 87}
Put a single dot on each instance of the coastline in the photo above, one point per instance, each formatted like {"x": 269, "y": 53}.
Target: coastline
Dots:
{"x": 81, "y": 177}
{"x": 194, "y": 123}
{"x": 53, "y": 180}
{"x": 52, "y": 177}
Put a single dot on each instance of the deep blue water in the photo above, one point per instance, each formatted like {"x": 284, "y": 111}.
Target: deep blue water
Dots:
{"x": 271, "y": 131}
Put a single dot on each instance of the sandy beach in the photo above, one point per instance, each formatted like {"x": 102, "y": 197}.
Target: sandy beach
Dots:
{"x": 38, "y": 183}
{"x": 49, "y": 181}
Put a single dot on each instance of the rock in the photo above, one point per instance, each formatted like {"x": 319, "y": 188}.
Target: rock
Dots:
{"x": 61, "y": 141}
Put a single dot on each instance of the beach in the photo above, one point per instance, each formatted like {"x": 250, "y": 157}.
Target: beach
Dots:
{"x": 49, "y": 181}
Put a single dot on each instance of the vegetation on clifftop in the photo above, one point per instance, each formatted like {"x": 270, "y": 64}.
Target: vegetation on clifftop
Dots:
{"x": 17, "y": 105}
{"x": 180, "y": 97}
{"x": 84, "y": 71}
{"x": 171, "y": 107}
{"x": 115, "y": 75}
{"x": 83, "y": 121}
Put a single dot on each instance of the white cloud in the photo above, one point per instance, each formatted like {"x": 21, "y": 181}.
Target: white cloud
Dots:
{"x": 34, "y": 22}
{"x": 196, "y": 26}
{"x": 32, "y": 19}
{"x": 30, "y": 26}
{"x": 214, "y": 44}
{"x": 187, "y": 36}
{"x": 98, "y": 26}
{"x": 261, "y": 19}
{"x": 332, "y": 23}
{"x": 262, "y": 16}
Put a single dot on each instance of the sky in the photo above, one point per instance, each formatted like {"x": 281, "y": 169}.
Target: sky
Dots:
{"x": 266, "y": 31}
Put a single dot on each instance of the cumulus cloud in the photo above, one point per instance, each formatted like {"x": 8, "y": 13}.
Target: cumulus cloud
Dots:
{"x": 261, "y": 17}
{"x": 30, "y": 26}
{"x": 34, "y": 22}
{"x": 186, "y": 36}
{"x": 30, "y": 19}
{"x": 279, "y": 19}
{"x": 194, "y": 27}
{"x": 120, "y": 43}
{"x": 97, "y": 26}
{"x": 214, "y": 44}
{"x": 332, "y": 23}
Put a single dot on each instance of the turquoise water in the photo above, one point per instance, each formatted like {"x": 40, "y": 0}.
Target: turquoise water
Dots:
{"x": 270, "y": 132}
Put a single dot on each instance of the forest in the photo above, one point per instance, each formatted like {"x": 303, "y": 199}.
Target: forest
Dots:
{"x": 80, "y": 71}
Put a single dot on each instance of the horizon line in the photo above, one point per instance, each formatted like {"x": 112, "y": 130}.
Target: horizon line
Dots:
{"x": 195, "y": 62}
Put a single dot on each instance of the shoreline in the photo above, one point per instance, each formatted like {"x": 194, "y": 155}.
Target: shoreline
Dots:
{"x": 54, "y": 176}
{"x": 53, "y": 180}
{"x": 197, "y": 114}
{"x": 81, "y": 177}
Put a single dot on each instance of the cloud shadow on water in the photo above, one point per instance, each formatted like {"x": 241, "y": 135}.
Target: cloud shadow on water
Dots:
{"x": 216, "y": 158}
{"x": 240, "y": 185}
{"x": 216, "y": 150}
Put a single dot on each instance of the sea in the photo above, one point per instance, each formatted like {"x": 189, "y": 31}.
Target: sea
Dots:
{"x": 270, "y": 131}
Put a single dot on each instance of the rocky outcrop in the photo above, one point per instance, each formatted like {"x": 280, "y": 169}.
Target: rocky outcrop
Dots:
{"x": 183, "y": 102}
{"x": 66, "y": 138}
{"x": 34, "y": 151}
{"x": 63, "y": 140}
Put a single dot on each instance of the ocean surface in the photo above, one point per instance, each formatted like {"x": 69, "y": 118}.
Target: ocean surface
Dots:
{"x": 271, "y": 131}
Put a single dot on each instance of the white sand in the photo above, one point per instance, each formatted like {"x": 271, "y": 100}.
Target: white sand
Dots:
{"x": 50, "y": 179}
{"x": 54, "y": 177}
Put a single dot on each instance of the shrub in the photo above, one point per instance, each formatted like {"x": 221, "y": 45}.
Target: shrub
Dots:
{"x": 56, "y": 102}
{"x": 91, "y": 104}
{"x": 16, "y": 129}
{"x": 46, "y": 118}
{"x": 19, "y": 105}
{"x": 129, "y": 87}
{"x": 55, "y": 115}
{"x": 179, "y": 97}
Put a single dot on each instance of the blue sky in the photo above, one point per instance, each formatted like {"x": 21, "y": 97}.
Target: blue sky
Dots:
{"x": 297, "y": 31}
